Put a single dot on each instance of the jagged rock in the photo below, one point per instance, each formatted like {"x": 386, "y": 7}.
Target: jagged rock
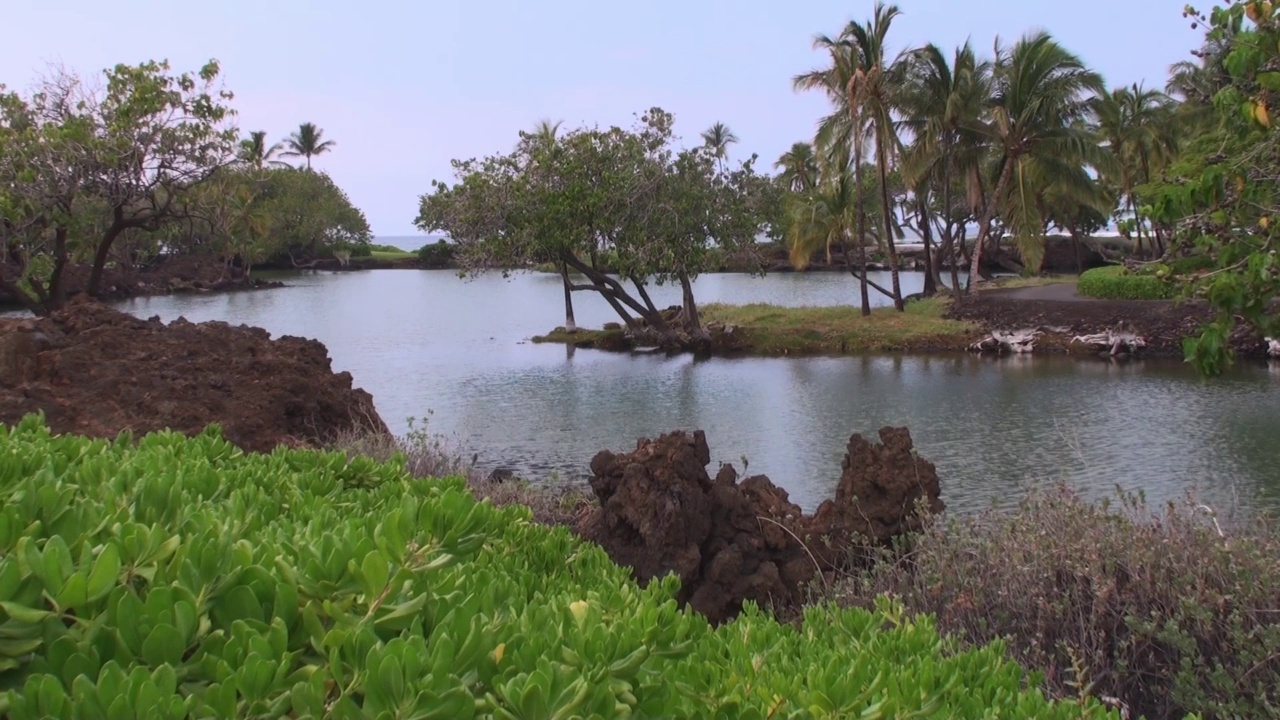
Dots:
{"x": 881, "y": 489}
{"x": 661, "y": 512}
{"x": 730, "y": 541}
{"x": 96, "y": 371}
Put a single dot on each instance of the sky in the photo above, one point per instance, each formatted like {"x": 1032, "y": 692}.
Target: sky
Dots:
{"x": 404, "y": 87}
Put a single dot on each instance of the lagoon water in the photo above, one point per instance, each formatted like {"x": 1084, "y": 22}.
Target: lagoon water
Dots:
{"x": 427, "y": 343}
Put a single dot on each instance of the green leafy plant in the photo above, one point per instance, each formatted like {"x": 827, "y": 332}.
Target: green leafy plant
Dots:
{"x": 177, "y": 577}
{"x": 436, "y": 255}
{"x": 1117, "y": 283}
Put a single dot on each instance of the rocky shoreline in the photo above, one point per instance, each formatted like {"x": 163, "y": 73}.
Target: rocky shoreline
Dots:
{"x": 91, "y": 370}
{"x": 176, "y": 275}
{"x": 95, "y": 371}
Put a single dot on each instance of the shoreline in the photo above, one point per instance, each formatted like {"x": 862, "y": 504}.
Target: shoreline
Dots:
{"x": 932, "y": 326}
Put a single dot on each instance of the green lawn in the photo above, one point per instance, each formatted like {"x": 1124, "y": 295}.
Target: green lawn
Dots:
{"x": 386, "y": 255}
{"x": 773, "y": 330}
{"x": 776, "y": 330}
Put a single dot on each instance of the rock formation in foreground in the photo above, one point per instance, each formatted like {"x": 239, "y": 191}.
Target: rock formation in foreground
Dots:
{"x": 96, "y": 371}
{"x": 731, "y": 541}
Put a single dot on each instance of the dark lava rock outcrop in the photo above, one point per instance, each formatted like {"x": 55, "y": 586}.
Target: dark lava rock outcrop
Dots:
{"x": 880, "y": 490}
{"x": 731, "y": 541}
{"x": 95, "y": 371}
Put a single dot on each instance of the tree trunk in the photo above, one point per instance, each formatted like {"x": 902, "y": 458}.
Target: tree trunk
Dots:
{"x": 882, "y": 168}
{"x": 861, "y": 240}
{"x": 692, "y": 321}
{"x": 58, "y": 288}
{"x": 931, "y": 281}
{"x": 955, "y": 263}
{"x": 948, "y": 234}
{"x": 984, "y": 228}
{"x": 1137, "y": 229}
{"x": 1075, "y": 242}
{"x": 612, "y": 291}
{"x": 569, "y": 324}
{"x": 103, "y": 252}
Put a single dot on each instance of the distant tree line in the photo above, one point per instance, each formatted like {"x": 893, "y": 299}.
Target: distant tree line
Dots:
{"x": 149, "y": 164}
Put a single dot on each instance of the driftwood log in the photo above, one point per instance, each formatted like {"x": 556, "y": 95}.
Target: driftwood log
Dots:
{"x": 1273, "y": 347}
{"x": 1120, "y": 339}
{"x": 1016, "y": 341}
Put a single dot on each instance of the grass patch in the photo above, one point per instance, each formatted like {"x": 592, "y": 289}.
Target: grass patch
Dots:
{"x": 389, "y": 255}
{"x": 773, "y": 330}
{"x": 776, "y": 330}
{"x": 1117, "y": 283}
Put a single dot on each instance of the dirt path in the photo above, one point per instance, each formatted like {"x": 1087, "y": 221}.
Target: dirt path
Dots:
{"x": 1060, "y": 292}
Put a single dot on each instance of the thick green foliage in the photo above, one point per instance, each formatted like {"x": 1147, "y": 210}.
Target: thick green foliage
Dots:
{"x": 1222, "y": 196}
{"x": 182, "y": 578}
{"x": 1117, "y": 283}
{"x": 437, "y": 254}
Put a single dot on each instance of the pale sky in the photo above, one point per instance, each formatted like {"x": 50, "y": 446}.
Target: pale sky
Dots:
{"x": 403, "y": 87}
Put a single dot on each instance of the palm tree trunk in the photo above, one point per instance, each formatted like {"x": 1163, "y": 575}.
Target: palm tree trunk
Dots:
{"x": 931, "y": 280}
{"x": 882, "y": 168}
{"x": 1137, "y": 227}
{"x": 569, "y": 324}
{"x": 948, "y": 229}
{"x": 861, "y": 240}
{"x": 984, "y": 228}
{"x": 1075, "y": 242}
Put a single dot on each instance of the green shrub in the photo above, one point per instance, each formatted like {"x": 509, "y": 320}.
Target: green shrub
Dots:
{"x": 182, "y": 578}
{"x": 361, "y": 250}
{"x": 1156, "y": 609}
{"x": 438, "y": 254}
{"x": 1190, "y": 264}
{"x": 1116, "y": 283}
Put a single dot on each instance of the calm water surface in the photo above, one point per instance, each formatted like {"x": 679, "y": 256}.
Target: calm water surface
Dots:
{"x": 428, "y": 342}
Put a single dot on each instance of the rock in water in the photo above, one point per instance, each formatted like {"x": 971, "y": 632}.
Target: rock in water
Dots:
{"x": 95, "y": 371}
{"x": 731, "y": 541}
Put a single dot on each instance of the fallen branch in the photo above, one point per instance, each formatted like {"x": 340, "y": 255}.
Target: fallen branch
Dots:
{"x": 1273, "y": 347}
{"x": 1018, "y": 341}
{"x": 1120, "y": 339}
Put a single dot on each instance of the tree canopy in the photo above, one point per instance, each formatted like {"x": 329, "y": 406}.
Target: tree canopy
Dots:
{"x": 1222, "y": 195}
{"x": 145, "y": 162}
{"x": 657, "y": 211}
{"x": 80, "y": 166}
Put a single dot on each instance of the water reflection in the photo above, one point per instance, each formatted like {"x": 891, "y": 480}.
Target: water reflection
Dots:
{"x": 422, "y": 341}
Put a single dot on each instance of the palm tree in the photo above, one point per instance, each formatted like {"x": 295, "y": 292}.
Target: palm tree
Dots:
{"x": 799, "y": 167}
{"x": 718, "y": 138}
{"x": 871, "y": 95}
{"x": 1042, "y": 92}
{"x": 1134, "y": 126}
{"x": 307, "y": 142}
{"x": 942, "y": 102}
{"x": 545, "y": 131}
{"x": 834, "y": 135}
{"x": 832, "y": 214}
{"x": 255, "y": 152}
{"x": 853, "y": 81}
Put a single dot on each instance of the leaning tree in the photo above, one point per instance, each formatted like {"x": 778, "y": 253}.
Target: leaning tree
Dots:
{"x": 622, "y": 209}
{"x": 81, "y": 167}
